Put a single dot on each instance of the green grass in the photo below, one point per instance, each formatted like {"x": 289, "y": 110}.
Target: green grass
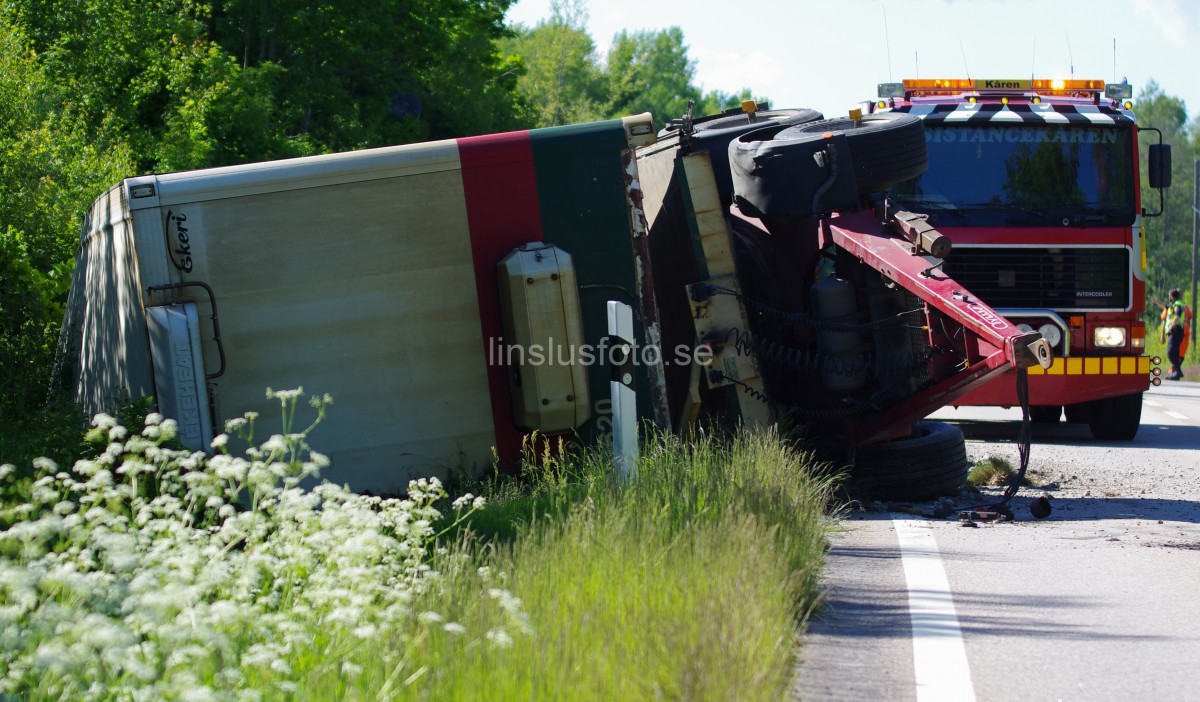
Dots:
{"x": 691, "y": 582}
{"x": 992, "y": 470}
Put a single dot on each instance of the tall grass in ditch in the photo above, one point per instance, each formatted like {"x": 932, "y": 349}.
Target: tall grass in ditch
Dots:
{"x": 690, "y": 583}
{"x": 154, "y": 573}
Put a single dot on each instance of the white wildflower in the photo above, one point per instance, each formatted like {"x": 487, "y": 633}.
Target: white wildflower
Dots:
{"x": 455, "y": 628}
{"x": 499, "y": 638}
{"x": 220, "y": 441}
{"x": 351, "y": 670}
{"x": 275, "y": 444}
{"x": 103, "y": 421}
{"x": 45, "y": 465}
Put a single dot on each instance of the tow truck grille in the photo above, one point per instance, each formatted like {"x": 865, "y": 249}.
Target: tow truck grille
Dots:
{"x": 1053, "y": 278}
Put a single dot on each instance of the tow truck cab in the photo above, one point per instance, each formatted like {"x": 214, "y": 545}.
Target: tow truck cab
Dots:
{"x": 1037, "y": 183}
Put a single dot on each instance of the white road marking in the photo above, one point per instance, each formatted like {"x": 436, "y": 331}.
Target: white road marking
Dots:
{"x": 1176, "y": 415}
{"x": 1151, "y": 403}
{"x": 939, "y": 656}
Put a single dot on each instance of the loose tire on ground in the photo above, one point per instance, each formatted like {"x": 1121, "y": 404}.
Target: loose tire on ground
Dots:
{"x": 929, "y": 463}
{"x": 1115, "y": 418}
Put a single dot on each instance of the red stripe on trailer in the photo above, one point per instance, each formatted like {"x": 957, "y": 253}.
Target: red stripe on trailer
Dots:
{"x": 502, "y": 212}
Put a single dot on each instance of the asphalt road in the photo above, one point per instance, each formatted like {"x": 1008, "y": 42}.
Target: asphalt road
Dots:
{"x": 1100, "y": 601}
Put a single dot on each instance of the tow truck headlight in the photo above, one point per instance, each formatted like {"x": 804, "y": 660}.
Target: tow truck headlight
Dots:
{"x": 1109, "y": 337}
{"x": 891, "y": 90}
{"x": 1051, "y": 333}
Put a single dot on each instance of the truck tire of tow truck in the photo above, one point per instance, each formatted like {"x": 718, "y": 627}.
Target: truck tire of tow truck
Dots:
{"x": 929, "y": 463}
{"x": 1078, "y": 413}
{"x": 1115, "y": 418}
{"x": 775, "y": 171}
{"x": 1045, "y": 414}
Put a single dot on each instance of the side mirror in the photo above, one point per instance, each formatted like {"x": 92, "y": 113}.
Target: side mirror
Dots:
{"x": 1160, "y": 166}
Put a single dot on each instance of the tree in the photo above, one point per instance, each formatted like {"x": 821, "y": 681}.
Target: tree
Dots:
{"x": 1169, "y": 237}
{"x": 649, "y": 71}
{"x": 51, "y": 167}
{"x": 560, "y": 77}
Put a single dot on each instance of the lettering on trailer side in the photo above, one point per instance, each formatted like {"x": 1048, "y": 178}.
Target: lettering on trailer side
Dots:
{"x": 181, "y": 241}
{"x": 187, "y": 401}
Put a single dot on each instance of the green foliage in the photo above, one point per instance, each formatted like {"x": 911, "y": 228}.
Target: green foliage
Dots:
{"x": 51, "y": 167}
{"x": 687, "y": 584}
{"x": 563, "y": 80}
{"x": 993, "y": 470}
{"x": 560, "y": 77}
{"x": 649, "y": 71}
{"x": 684, "y": 584}
{"x": 1169, "y": 237}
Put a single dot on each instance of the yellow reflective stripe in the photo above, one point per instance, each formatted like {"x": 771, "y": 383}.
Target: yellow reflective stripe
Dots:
{"x": 1112, "y": 365}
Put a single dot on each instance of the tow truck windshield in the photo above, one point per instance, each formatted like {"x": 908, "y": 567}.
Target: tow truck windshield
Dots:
{"x": 1025, "y": 175}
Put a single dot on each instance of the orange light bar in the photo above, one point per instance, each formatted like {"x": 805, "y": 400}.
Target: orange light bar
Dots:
{"x": 939, "y": 84}
{"x": 990, "y": 84}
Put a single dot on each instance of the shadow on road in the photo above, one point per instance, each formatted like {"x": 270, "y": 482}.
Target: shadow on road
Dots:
{"x": 1073, "y": 509}
{"x": 1156, "y": 436}
{"x": 872, "y": 612}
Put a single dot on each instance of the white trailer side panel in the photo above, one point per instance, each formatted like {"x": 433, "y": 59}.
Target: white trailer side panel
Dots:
{"x": 364, "y": 290}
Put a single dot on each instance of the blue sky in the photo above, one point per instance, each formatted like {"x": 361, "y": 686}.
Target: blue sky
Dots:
{"x": 830, "y": 55}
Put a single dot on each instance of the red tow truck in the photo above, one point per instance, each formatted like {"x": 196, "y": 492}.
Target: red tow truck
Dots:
{"x": 1037, "y": 182}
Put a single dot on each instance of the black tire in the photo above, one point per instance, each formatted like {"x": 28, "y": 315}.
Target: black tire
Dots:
{"x": 714, "y": 133}
{"x": 777, "y": 171}
{"x": 1078, "y": 413}
{"x": 887, "y": 148}
{"x": 929, "y": 463}
{"x": 1045, "y": 414}
{"x": 1115, "y": 418}
{"x": 778, "y": 178}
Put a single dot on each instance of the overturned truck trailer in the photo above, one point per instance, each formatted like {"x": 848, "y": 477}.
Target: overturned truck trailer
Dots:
{"x": 452, "y": 295}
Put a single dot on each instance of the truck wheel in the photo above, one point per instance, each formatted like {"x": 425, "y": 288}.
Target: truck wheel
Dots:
{"x": 1045, "y": 414}
{"x": 887, "y": 148}
{"x": 777, "y": 170}
{"x": 930, "y": 462}
{"x": 713, "y": 134}
{"x": 1077, "y": 413}
{"x": 1115, "y": 418}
